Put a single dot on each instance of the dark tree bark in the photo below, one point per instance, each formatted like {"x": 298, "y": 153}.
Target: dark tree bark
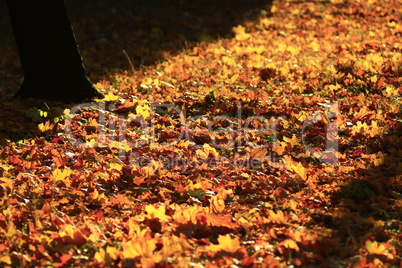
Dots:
{"x": 49, "y": 55}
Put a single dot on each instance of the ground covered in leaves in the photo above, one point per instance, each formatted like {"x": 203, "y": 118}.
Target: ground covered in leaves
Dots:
{"x": 266, "y": 135}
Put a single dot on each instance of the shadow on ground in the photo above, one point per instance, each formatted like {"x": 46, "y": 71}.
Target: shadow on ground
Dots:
{"x": 115, "y": 36}
{"x": 111, "y": 34}
{"x": 367, "y": 206}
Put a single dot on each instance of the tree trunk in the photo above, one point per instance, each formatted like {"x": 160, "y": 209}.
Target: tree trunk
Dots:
{"x": 49, "y": 55}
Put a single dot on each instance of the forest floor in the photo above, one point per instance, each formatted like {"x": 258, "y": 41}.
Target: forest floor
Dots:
{"x": 230, "y": 135}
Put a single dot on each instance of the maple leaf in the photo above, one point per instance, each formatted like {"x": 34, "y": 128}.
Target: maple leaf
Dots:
{"x": 11, "y": 230}
{"x": 97, "y": 197}
{"x": 143, "y": 247}
{"x": 375, "y": 248}
{"x": 206, "y": 151}
{"x": 43, "y": 127}
{"x": 106, "y": 256}
{"x": 61, "y": 174}
{"x": 157, "y": 212}
{"x": 295, "y": 167}
{"x": 111, "y": 97}
{"x": 188, "y": 214}
{"x": 143, "y": 110}
{"x": 71, "y": 235}
{"x": 258, "y": 153}
{"x": 293, "y": 141}
{"x": 290, "y": 244}
{"x": 225, "y": 243}
{"x": 241, "y": 34}
{"x": 217, "y": 204}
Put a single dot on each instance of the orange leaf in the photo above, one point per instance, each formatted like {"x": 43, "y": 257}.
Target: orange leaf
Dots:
{"x": 258, "y": 153}
{"x": 46, "y": 126}
{"x": 217, "y": 204}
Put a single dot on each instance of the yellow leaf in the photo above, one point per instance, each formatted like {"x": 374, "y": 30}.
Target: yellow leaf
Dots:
{"x": 135, "y": 229}
{"x": 99, "y": 86}
{"x": 112, "y": 252}
{"x": 116, "y": 166}
{"x": 45, "y": 127}
{"x": 390, "y": 91}
{"x": 188, "y": 214}
{"x": 143, "y": 110}
{"x": 154, "y": 212}
{"x": 146, "y": 81}
{"x": 120, "y": 145}
{"x": 11, "y": 231}
{"x": 233, "y": 79}
{"x": 302, "y": 116}
{"x": 225, "y": 243}
{"x": 285, "y": 124}
{"x": 241, "y": 34}
{"x": 375, "y": 248}
{"x": 315, "y": 46}
{"x": 141, "y": 248}
{"x": 279, "y": 147}
{"x": 295, "y": 167}
{"x": 293, "y": 141}
{"x": 100, "y": 255}
{"x": 277, "y": 217}
{"x": 5, "y": 259}
{"x": 299, "y": 169}
{"x": 61, "y": 174}
{"x": 98, "y": 197}
{"x": 291, "y": 204}
{"x": 110, "y": 97}
{"x": 206, "y": 151}
{"x": 289, "y": 243}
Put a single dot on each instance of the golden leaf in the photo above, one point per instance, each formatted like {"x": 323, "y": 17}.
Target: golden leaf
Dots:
{"x": 241, "y": 34}
{"x": 295, "y": 167}
{"x": 293, "y": 141}
{"x": 226, "y": 243}
{"x": 188, "y": 214}
{"x": 291, "y": 244}
{"x": 279, "y": 147}
{"x": 11, "y": 230}
{"x": 277, "y": 217}
{"x": 98, "y": 197}
{"x": 46, "y": 126}
{"x": 143, "y": 247}
{"x": 111, "y": 97}
{"x": 61, "y": 174}
{"x": 375, "y": 248}
{"x": 258, "y": 153}
{"x": 100, "y": 256}
{"x": 217, "y": 205}
{"x": 5, "y": 259}
{"x": 154, "y": 212}
{"x": 143, "y": 110}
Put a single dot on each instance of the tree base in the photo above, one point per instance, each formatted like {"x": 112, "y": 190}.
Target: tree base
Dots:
{"x": 68, "y": 92}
